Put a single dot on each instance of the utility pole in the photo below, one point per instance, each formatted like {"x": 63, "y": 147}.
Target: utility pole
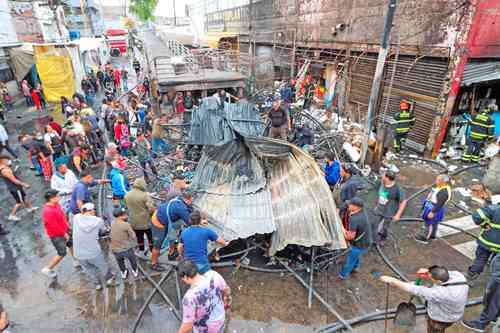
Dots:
{"x": 175, "y": 16}
{"x": 377, "y": 78}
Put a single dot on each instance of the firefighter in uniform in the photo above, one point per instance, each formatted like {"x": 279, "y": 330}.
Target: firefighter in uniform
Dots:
{"x": 404, "y": 121}
{"x": 488, "y": 242}
{"x": 482, "y": 128}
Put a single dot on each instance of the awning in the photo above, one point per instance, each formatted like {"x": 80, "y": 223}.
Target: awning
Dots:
{"x": 481, "y": 72}
{"x": 22, "y": 59}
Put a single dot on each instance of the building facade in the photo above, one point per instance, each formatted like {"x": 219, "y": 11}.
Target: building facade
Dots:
{"x": 8, "y": 39}
{"x": 428, "y": 41}
{"x": 84, "y": 18}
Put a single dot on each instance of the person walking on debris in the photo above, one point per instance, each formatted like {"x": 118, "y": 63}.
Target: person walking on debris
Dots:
{"x": 194, "y": 240}
{"x": 434, "y": 208}
{"x": 445, "y": 299}
{"x": 390, "y": 205}
{"x": 280, "y": 121}
{"x": 331, "y": 168}
{"x": 86, "y": 226}
{"x": 482, "y": 129}
{"x": 491, "y": 300}
{"x": 359, "y": 234}
{"x": 137, "y": 66}
{"x": 123, "y": 242}
{"x": 166, "y": 223}
{"x": 404, "y": 121}
{"x": 140, "y": 206}
{"x": 57, "y": 228}
{"x": 124, "y": 79}
{"x": 178, "y": 186}
{"x": 143, "y": 152}
{"x": 205, "y": 302}
{"x": 158, "y": 142}
{"x": 15, "y": 186}
{"x": 488, "y": 242}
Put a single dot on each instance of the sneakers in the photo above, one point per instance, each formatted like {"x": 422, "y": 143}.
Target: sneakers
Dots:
{"x": 76, "y": 263}
{"x": 48, "y": 272}
{"x": 13, "y": 218}
{"x": 111, "y": 281}
{"x": 157, "y": 268}
{"x": 473, "y": 325}
{"x": 98, "y": 287}
{"x": 124, "y": 274}
{"x": 421, "y": 239}
{"x": 135, "y": 273}
{"x": 32, "y": 209}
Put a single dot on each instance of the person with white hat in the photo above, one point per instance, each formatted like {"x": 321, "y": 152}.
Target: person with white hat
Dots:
{"x": 86, "y": 226}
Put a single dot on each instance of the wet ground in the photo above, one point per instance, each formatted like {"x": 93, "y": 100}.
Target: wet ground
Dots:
{"x": 262, "y": 302}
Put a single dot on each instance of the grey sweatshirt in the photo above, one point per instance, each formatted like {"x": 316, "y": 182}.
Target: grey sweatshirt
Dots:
{"x": 86, "y": 236}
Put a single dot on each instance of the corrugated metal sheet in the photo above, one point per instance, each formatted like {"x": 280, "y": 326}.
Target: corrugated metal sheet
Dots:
{"x": 255, "y": 185}
{"x": 213, "y": 126}
{"x": 420, "y": 80}
{"x": 481, "y": 72}
{"x": 361, "y": 74}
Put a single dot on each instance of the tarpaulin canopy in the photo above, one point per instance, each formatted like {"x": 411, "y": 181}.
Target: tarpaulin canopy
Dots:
{"x": 255, "y": 185}
{"x": 55, "y": 69}
{"x": 22, "y": 59}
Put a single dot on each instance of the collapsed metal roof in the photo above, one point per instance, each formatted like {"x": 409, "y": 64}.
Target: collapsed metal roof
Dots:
{"x": 257, "y": 185}
{"x": 481, "y": 72}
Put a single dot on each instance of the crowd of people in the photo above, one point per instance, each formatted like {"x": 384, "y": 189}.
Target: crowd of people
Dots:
{"x": 113, "y": 132}
{"x": 131, "y": 124}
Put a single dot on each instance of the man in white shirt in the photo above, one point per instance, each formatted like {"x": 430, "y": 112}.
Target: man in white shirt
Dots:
{"x": 63, "y": 181}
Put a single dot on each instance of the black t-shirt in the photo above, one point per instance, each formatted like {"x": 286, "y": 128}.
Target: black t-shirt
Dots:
{"x": 359, "y": 222}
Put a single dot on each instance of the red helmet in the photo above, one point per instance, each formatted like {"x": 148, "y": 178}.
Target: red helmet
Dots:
{"x": 404, "y": 105}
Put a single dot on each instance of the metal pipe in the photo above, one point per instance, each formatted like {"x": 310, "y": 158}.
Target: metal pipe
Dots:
{"x": 161, "y": 292}
{"x": 178, "y": 290}
{"x": 328, "y": 306}
{"x": 309, "y": 299}
{"x": 148, "y": 300}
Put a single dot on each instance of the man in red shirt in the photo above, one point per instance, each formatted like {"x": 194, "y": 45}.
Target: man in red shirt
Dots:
{"x": 57, "y": 228}
{"x": 55, "y": 126}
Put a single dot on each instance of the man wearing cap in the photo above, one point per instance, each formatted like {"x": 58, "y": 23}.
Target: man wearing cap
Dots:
{"x": 86, "y": 226}
{"x": 81, "y": 193}
{"x": 57, "y": 229}
{"x": 348, "y": 189}
{"x": 359, "y": 234}
{"x": 63, "y": 181}
{"x": 280, "y": 121}
{"x": 166, "y": 224}
{"x": 404, "y": 121}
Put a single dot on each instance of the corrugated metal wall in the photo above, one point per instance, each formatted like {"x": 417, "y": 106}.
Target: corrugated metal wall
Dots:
{"x": 361, "y": 76}
{"x": 419, "y": 79}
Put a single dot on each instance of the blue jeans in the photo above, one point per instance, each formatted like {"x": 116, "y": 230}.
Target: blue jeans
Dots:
{"x": 90, "y": 99}
{"x": 353, "y": 261}
{"x": 36, "y": 165}
{"x": 161, "y": 144}
{"x": 96, "y": 267}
